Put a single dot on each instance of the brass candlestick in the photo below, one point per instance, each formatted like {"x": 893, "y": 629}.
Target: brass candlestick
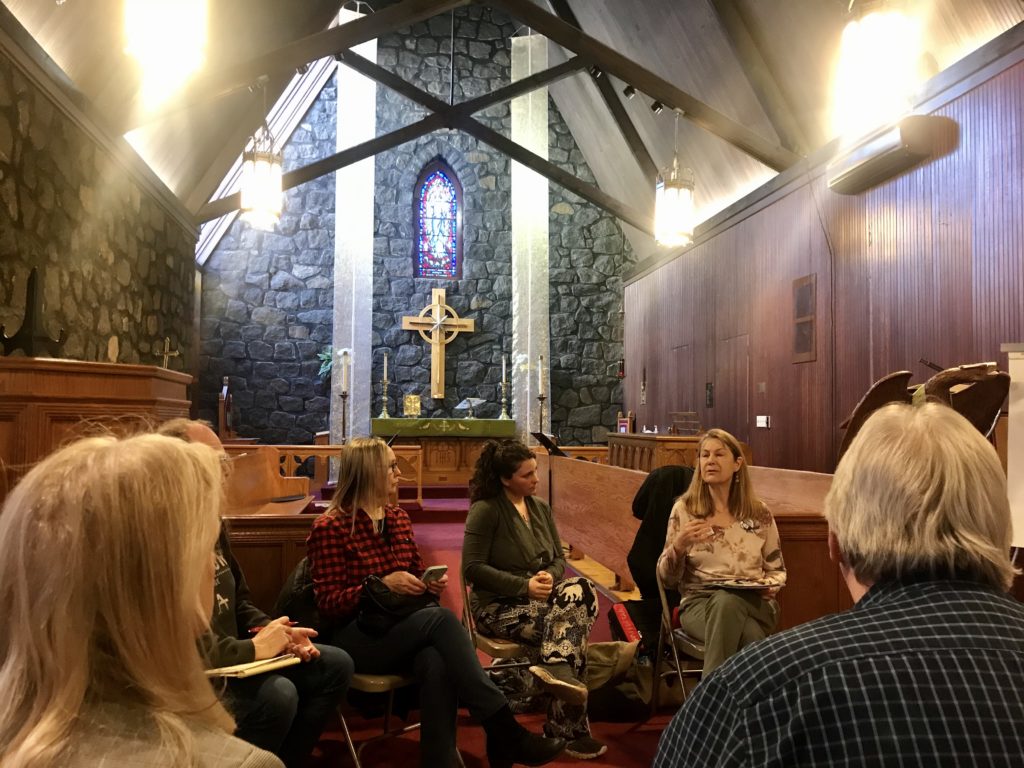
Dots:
{"x": 504, "y": 401}
{"x": 540, "y": 401}
{"x": 384, "y": 392}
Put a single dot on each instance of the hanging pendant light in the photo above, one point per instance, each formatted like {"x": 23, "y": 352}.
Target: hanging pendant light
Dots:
{"x": 261, "y": 191}
{"x": 673, "y": 201}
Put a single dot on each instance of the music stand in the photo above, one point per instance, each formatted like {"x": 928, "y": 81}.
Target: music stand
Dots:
{"x": 549, "y": 444}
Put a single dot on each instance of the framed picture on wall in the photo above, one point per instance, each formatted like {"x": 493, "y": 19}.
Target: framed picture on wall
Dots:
{"x": 805, "y": 302}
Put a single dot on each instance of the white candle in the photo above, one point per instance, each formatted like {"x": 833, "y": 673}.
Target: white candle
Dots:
{"x": 540, "y": 376}
{"x": 385, "y": 366}
{"x": 503, "y": 369}
{"x": 345, "y": 361}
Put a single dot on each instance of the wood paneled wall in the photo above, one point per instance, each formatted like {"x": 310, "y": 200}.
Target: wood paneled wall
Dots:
{"x": 927, "y": 265}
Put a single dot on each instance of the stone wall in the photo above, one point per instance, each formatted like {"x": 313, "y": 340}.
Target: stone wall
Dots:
{"x": 267, "y": 306}
{"x": 588, "y": 250}
{"x": 117, "y": 270}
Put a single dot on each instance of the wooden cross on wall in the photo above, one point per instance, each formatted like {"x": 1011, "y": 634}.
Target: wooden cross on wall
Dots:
{"x": 438, "y": 325}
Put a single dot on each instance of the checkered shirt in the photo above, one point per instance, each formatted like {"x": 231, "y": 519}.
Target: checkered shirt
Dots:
{"x": 916, "y": 674}
{"x": 340, "y": 559}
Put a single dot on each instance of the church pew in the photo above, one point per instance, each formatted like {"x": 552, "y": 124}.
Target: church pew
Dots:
{"x": 592, "y": 505}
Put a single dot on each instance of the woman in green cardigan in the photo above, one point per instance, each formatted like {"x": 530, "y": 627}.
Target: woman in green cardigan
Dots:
{"x": 512, "y": 557}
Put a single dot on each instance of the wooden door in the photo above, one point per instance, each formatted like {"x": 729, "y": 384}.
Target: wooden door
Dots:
{"x": 732, "y": 386}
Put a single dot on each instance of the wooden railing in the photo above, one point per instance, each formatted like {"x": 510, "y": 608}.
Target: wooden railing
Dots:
{"x": 291, "y": 457}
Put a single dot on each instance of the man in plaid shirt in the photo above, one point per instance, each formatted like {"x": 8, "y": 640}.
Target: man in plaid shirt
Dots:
{"x": 928, "y": 667}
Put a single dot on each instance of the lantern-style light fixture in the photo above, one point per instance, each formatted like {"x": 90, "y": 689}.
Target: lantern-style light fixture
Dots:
{"x": 673, "y": 201}
{"x": 261, "y": 181}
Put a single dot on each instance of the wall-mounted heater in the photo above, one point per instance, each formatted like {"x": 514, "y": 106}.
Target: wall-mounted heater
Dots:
{"x": 885, "y": 153}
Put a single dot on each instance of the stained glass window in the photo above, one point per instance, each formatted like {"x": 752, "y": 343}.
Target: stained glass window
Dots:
{"x": 438, "y": 204}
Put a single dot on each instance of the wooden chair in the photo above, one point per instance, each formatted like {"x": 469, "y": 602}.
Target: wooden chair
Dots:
{"x": 679, "y": 642}
{"x": 888, "y": 389}
{"x": 225, "y": 418}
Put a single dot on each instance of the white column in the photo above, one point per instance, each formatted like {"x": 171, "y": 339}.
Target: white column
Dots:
{"x": 530, "y": 312}
{"x": 353, "y": 243}
{"x": 1015, "y": 442}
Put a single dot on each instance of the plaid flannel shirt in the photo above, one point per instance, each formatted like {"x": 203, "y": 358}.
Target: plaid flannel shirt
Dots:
{"x": 339, "y": 559}
{"x": 924, "y": 673}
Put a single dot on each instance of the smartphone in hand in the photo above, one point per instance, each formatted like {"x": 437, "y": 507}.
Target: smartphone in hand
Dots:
{"x": 433, "y": 573}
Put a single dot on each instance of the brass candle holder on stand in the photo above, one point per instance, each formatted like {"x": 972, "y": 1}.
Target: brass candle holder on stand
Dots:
{"x": 384, "y": 392}
{"x": 504, "y": 401}
{"x": 540, "y": 401}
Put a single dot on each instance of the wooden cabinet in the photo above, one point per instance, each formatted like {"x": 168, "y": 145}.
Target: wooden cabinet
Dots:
{"x": 43, "y": 401}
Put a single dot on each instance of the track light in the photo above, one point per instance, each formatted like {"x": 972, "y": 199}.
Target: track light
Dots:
{"x": 657, "y": 107}
{"x": 629, "y": 91}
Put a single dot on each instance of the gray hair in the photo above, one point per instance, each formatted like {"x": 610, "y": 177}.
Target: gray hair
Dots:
{"x": 921, "y": 493}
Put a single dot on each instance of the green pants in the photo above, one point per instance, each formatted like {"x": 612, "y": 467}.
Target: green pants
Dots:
{"x": 726, "y": 620}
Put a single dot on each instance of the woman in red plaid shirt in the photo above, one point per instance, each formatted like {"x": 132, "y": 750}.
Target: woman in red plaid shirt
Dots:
{"x": 361, "y": 535}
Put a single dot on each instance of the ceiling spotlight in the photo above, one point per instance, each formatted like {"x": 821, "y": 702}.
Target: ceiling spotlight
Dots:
{"x": 629, "y": 91}
{"x": 657, "y": 107}
{"x": 595, "y": 72}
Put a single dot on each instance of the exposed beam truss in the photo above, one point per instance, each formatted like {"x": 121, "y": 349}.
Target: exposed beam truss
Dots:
{"x": 611, "y": 99}
{"x": 456, "y": 117}
{"x": 759, "y": 74}
{"x": 612, "y": 62}
{"x": 288, "y": 58}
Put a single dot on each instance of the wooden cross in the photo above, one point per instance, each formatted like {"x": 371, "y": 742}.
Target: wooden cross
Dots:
{"x": 435, "y": 322}
{"x": 167, "y": 353}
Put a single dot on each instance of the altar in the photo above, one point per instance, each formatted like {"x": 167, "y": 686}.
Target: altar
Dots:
{"x": 450, "y": 446}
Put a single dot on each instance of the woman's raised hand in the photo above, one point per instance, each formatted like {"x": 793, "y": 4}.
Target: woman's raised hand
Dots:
{"x": 404, "y": 583}
{"x": 540, "y": 586}
{"x": 693, "y": 532}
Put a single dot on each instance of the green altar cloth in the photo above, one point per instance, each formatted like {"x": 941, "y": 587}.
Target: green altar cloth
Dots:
{"x": 443, "y": 427}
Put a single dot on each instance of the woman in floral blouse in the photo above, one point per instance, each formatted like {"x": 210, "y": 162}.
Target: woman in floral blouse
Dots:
{"x": 722, "y": 553}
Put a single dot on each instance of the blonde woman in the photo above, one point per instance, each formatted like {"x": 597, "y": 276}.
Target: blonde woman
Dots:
{"x": 722, "y": 553}
{"x": 106, "y": 569}
{"x": 362, "y": 534}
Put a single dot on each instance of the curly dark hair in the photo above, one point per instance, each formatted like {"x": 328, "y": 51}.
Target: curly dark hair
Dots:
{"x": 497, "y": 460}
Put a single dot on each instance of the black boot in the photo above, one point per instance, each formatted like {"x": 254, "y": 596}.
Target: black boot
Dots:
{"x": 509, "y": 743}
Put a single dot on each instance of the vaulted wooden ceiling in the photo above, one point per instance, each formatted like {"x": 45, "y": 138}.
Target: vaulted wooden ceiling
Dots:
{"x": 752, "y": 76}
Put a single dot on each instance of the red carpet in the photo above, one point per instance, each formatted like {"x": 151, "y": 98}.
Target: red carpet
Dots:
{"x": 438, "y": 530}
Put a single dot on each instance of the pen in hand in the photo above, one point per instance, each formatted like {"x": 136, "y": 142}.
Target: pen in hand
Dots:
{"x": 254, "y": 630}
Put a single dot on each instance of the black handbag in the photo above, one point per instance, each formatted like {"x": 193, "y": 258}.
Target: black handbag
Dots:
{"x": 380, "y": 609}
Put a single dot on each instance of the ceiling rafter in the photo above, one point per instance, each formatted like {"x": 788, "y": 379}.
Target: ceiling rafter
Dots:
{"x": 611, "y": 99}
{"x": 612, "y": 62}
{"x": 759, "y": 75}
{"x": 290, "y": 57}
{"x": 447, "y": 116}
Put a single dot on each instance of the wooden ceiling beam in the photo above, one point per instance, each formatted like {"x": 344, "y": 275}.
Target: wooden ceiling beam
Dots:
{"x": 611, "y": 99}
{"x": 612, "y": 62}
{"x": 759, "y": 74}
{"x": 445, "y": 116}
{"x": 523, "y": 156}
{"x": 459, "y": 117}
{"x": 332, "y": 163}
{"x": 290, "y": 57}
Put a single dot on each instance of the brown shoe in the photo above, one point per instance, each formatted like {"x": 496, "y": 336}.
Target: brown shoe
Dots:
{"x": 560, "y": 682}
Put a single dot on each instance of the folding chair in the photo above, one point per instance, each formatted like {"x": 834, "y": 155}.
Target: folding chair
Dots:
{"x": 679, "y": 642}
{"x": 381, "y": 684}
{"x": 494, "y": 647}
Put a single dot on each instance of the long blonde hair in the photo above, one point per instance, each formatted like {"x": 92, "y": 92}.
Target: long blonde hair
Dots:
{"x": 743, "y": 502}
{"x": 362, "y": 477}
{"x": 921, "y": 493}
{"x": 103, "y": 549}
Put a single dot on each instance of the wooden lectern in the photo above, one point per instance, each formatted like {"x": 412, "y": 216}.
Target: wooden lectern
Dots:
{"x": 43, "y": 400}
